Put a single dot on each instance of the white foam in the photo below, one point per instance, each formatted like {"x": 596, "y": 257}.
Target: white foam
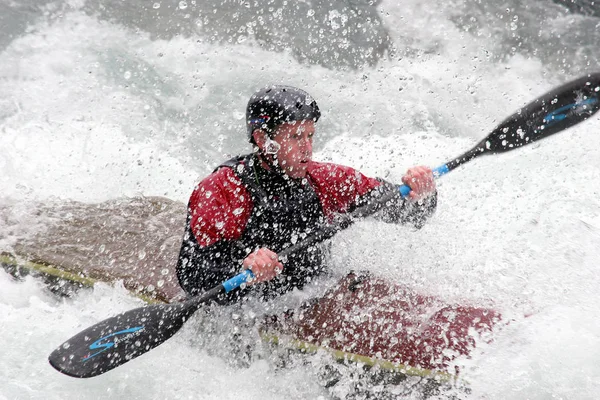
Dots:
{"x": 92, "y": 111}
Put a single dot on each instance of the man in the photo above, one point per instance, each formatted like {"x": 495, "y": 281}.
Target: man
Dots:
{"x": 253, "y": 206}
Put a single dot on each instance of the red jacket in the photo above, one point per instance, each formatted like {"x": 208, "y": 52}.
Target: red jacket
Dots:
{"x": 220, "y": 205}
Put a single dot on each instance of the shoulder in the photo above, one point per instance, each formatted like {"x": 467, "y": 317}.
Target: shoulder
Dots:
{"x": 223, "y": 179}
{"x": 336, "y": 174}
{"x": 222, "y": 188}
{"x": 325, "y": 171}
{"x": 219, "y": 207}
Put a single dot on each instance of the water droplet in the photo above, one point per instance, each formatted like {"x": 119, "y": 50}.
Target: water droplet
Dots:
{"x": 183, "y": 5}
{"x": 238, "y": 211}
{"x": 156, "y": 6}
{"x": 127, "y": 75}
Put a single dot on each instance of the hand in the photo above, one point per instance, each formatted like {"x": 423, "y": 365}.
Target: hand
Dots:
{"x": 264, "y": 264}
{"x": 421, "y": 182}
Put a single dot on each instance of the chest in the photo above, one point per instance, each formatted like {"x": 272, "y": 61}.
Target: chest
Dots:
{"x": 281, "y": 218}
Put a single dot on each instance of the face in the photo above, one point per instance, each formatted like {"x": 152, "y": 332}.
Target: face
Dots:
{"x": 296, "y": 147}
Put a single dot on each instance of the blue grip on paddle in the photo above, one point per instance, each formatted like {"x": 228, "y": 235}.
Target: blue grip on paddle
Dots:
{"x": 404, "y": 190}
{"x": 238, "y": 280}
{"x": 437, "y": 172}
{"x": 441, "y": 170}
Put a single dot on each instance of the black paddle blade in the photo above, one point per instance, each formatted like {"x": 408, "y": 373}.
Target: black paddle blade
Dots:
{"x": 555, "y": 111}
{"x": 117, "y": 340}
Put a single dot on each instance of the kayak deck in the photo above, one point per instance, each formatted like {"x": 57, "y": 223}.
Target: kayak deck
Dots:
{"x": 375, "y": 322}
{"x": 135, "y": 241}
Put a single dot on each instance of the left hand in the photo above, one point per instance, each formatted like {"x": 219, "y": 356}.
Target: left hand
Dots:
{"x": 264, "y": 264}
{"x": 421, "y": 182}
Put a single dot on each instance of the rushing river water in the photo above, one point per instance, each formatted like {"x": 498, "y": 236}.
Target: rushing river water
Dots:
{"x": 105, "y": 99}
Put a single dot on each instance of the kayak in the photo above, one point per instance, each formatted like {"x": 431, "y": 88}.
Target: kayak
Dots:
{"x": 369, "y": 320}
{"x": 362, "y": 319}
{"x": 133, "y": 240}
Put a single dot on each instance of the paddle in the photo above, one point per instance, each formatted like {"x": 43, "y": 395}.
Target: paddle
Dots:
{"x": 117, "y": 340}
{"x": 553, "y": 112}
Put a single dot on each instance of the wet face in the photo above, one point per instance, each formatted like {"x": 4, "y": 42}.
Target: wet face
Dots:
{"x": 295, "y": 152}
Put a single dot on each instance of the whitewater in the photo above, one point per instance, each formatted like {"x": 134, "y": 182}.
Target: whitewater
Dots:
{"x": 99, "y": 102}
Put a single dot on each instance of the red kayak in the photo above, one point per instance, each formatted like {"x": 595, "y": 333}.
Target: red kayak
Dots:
{"x": 370, "y": 320}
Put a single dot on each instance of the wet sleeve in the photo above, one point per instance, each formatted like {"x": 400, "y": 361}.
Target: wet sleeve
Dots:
{"x": 399, "y": 209}
{"x": 218, "y": 211}
{"x": 342, "y": 190}
{"x": 200, "y": 268}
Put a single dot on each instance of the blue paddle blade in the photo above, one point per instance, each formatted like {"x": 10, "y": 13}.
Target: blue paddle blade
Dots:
{"x": 551, "y": 113}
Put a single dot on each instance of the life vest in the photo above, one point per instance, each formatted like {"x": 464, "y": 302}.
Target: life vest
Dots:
{"x": 284, "y": 212}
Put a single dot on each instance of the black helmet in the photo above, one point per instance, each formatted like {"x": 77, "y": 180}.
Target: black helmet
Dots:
{"x": 275, "y": 105}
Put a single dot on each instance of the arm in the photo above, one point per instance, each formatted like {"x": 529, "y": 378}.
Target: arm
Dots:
{"x": 202, "y": 268}
{"x": 343, "y": 189}
{"x": 206, "y": 267}
{"x": 401, "y": 210}
{"x": 218, "y": 211}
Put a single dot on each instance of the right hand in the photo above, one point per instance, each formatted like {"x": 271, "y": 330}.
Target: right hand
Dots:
{"x": 420, "y": 181}
{"x": 264, "y": 264}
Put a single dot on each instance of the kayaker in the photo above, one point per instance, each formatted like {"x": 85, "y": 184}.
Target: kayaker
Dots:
{"x": 253, "y": 206}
